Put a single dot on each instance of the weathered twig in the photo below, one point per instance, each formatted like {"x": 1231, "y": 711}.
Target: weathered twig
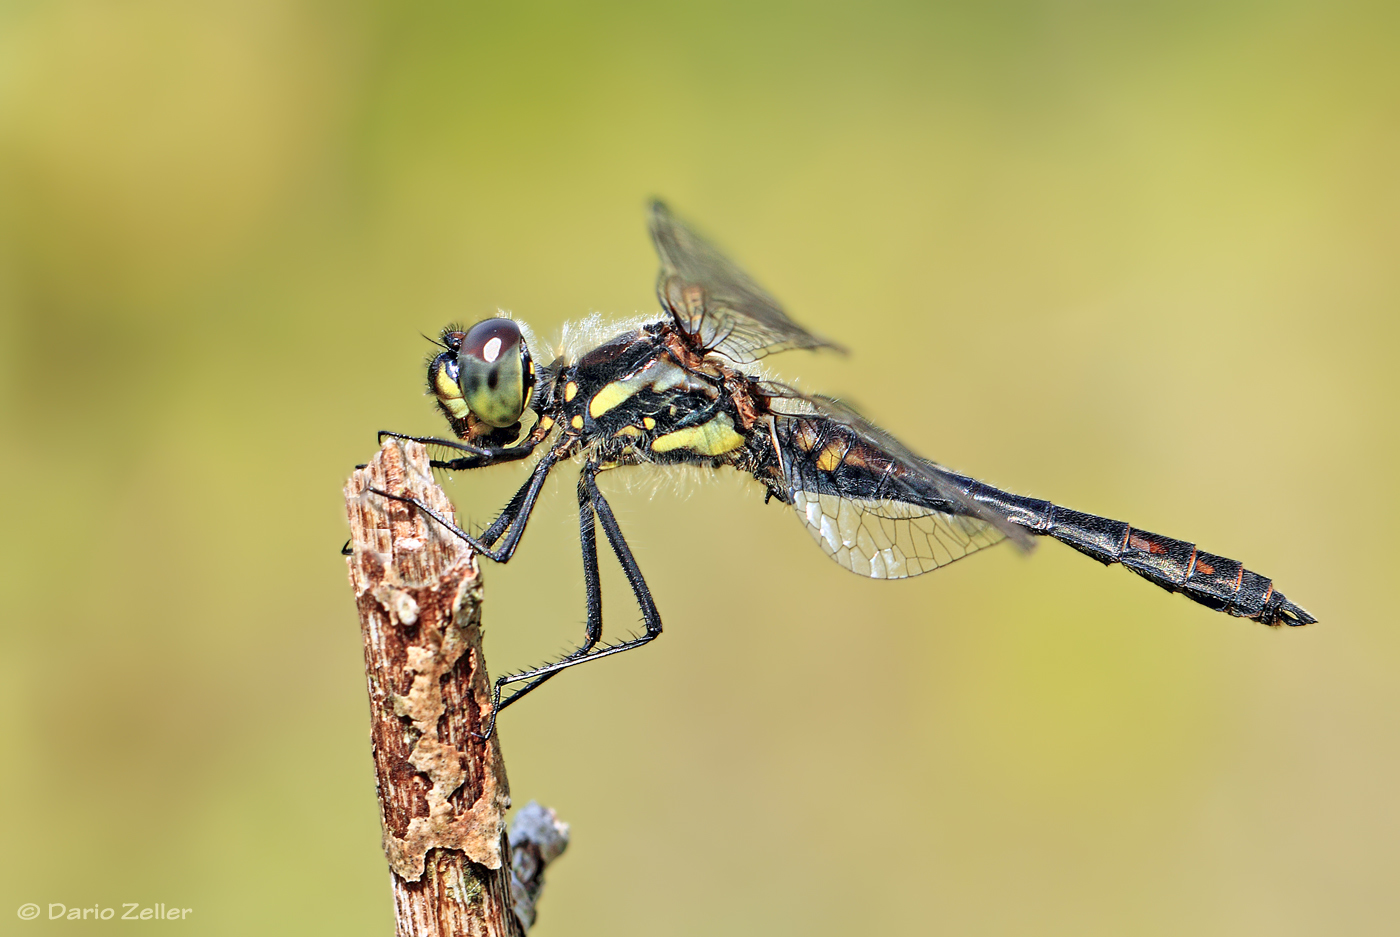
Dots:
{"x": 442, "y": 789}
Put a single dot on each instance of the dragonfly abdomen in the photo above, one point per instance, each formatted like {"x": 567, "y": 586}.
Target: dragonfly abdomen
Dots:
{"x": 1216, "y": 582}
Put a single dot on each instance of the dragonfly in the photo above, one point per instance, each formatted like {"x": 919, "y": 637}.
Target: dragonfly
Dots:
{"x": 686, "y": 387}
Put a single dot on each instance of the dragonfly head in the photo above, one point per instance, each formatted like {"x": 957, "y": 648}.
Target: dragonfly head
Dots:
{"x": 486, "y": 373}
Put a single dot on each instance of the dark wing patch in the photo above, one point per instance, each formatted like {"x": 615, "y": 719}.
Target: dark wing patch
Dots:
{"x": 715, "y": 302}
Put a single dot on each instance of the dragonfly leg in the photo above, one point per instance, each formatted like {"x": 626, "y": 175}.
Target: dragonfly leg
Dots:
{"x": 487, "y": 457}
{"x": 511, "y": 522}
{"x": 591, "y": 503}
{"x": 696, "y": 417}
{"x": 594, "y": 596}
{"x": 491, "y": 457}
{"x": 503, "y": 520}
{"x": 435, "y": 441}
{"x": 476, "y": 457}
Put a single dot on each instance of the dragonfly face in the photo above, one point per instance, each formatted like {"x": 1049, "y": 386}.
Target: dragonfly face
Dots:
{"x": 683, "y": 389}
{"x": 486, "y": 376}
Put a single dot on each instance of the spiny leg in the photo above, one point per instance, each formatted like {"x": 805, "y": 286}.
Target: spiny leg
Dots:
{"x": 503, "y": 520}
{"x": 594, "y": 597}
{"x": 492, "y": 457}
{"x": 507, "y": 514}
{"x": 479, "y": 458}
{"x": 512, "y": 523}
{"x": 435, "y": 441}
{"x": 492, "y": 533}
{"x": 476, "y": 457}
{"x": 588, "y": 487}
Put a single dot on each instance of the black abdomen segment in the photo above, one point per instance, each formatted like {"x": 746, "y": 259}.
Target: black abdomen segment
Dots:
{"x": 1214, "y": 581}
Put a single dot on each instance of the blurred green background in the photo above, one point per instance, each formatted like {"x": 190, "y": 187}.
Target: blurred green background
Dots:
{"x": 1138, "y": 258}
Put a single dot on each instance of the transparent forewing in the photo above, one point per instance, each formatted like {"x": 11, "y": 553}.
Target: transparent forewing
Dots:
{"x": 889, "y": 539}
{"x": 714, "y": 301}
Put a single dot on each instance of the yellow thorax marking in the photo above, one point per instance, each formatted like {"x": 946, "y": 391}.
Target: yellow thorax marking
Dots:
{"x": 830, "y": 457}
{"x": 660, "y": 375}
{"x": 628, "y": 431}
{"x": 712, "y": 438}
{"x": 576, "y": 422}
{"x": 614, "y": 394}
{"x": 649, "y": 422}
{"x": 570, "y": 389}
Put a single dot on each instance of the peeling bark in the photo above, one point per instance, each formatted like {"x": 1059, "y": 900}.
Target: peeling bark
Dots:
{"x": 442, "y": 790}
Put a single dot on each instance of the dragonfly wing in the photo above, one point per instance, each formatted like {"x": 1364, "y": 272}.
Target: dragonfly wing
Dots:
{"x": 715, "y": 302}
{"x": 875, "y": 507}
{"x": 887, "y": 539}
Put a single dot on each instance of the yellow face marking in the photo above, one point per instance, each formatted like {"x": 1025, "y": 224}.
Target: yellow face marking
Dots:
{"x": 576, "y": 422}
{"x": 449, "y": 393}
{"x": 648, "y": 422}
{"x": 444, "y": 386}
{"x": 570, "y": 391}
{"x": 712, "y": 438}
{"x": 830, "y": 457}
{"x": 612, "y": 395}
{"x": 628, "y": 431}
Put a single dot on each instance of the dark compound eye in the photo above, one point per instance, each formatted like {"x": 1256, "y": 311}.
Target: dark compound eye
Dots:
{"x": 490, "y": 339}
{"x": 494, "y": 371}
